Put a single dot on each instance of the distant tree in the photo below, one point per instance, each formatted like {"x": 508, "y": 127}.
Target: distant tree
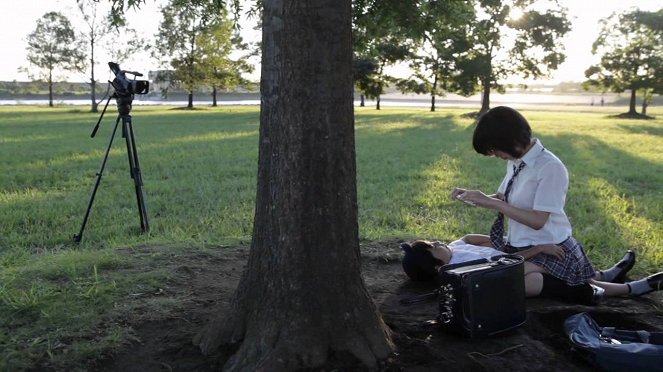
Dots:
{"x": 118, "y": 41}
{"x": 382, "y": 36}
{"x": 631, "y": 55}
{"x": 365, "y": 76}
{"x": 222, "y": 72}
{"x": 182, "y": 29}
{"x": 442, "y": 43}
{"x": 505, "y": 46}
{"x": 53, "y": 47}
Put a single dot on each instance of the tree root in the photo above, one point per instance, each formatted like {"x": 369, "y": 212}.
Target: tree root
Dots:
{"x": 277, "y": 342}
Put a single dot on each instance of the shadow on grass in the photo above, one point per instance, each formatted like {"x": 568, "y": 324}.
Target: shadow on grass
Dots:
{"x": 646, "y": 129}
{"x": 613, "y": 192}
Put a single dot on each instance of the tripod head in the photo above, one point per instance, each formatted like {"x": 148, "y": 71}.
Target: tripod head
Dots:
{"x": 125, "y": 88}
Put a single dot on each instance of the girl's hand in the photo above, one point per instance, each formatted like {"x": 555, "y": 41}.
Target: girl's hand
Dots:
{"x": 478, "y": 198}
{"x": 553, "y": 250}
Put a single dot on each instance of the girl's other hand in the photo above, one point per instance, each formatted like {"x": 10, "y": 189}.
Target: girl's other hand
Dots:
{"x": 553, "y": 250}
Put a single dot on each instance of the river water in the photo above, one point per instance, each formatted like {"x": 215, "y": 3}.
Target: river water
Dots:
{"x": 387, "y": 100}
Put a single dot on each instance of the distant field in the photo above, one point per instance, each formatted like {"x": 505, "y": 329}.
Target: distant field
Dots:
{"x": 199, "y": 169}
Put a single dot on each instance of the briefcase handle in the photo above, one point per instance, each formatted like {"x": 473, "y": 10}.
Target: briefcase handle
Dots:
{"x": 446, "y": 304}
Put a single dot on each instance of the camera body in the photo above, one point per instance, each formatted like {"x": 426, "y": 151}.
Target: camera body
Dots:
{"x": 124, "y": 86}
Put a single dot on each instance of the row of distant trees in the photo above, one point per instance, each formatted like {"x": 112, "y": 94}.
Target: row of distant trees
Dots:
{"x": 459, "y": 47}
{"x": 466, "y": 47}
{"x": 194, "y": 42}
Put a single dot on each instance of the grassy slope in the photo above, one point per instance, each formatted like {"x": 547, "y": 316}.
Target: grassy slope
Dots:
{"x": 199, "y": 170}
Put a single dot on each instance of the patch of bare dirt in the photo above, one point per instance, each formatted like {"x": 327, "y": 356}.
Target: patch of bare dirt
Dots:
{"x": 202, "y": 281}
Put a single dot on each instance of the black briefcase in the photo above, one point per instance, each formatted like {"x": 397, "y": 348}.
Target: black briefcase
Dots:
{"x": 483, "y": 297}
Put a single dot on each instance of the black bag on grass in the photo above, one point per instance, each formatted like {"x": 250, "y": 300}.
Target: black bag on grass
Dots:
{"x": 613, "y": 349}
{"x": 480, "y": 298}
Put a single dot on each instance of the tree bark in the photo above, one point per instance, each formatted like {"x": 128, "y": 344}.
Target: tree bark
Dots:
{"x": 361, "y": 101}
{"x": 302, "y": 294}
{"x": 485, "y": 97}
{"x": 432, "y": 94}
{"x": 93, "y": 82}
{"x": 190, "y": 104}
{"x": 50, "y": 87}
{"x": 213, "y": 96}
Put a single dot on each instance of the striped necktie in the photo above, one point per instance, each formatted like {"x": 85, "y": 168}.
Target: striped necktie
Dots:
{"x": 497, "y": 231}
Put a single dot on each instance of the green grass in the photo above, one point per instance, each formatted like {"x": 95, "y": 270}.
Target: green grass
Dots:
{"x": 199, "y": 169}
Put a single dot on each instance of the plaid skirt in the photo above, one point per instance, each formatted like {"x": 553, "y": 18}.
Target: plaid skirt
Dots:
{"x": 575, "y": 268}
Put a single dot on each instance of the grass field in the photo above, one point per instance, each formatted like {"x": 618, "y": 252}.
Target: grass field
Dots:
{"x": 199, "y": 169}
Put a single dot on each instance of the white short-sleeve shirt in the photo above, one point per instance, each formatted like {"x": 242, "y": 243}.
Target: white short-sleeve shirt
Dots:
{"x": 463, "y": 252}
{"x": 541, "y": 185}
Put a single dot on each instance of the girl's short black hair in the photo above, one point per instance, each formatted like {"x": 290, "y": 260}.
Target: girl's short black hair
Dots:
{"x": 502, "y": 128}
{"x": 418, "y": 262}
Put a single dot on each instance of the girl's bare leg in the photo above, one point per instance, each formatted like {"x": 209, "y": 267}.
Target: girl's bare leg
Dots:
{"x": 533, "y": 284}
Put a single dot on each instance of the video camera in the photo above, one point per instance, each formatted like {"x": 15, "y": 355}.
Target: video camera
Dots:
{"x": 124, "y": 86}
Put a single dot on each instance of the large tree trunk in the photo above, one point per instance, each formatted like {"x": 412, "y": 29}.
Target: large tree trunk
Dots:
{"x": 214, "y": 96}
{"x": 302, "y": 295}
{"x": 190, "y": 104}
{"x": 631, "y": 105}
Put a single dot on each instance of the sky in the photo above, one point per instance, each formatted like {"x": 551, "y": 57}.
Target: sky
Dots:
{"x": 18, "y": 19}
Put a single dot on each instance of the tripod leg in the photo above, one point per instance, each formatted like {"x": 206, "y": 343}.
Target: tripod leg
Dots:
{"x": 79, "y": 236}
{"x": 134, "y": 167}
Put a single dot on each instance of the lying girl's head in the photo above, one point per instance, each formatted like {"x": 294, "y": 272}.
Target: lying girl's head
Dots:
{"x": 423, "y": 258}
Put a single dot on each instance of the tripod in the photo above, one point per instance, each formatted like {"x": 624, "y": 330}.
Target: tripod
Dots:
{"x": 124, "y": 114}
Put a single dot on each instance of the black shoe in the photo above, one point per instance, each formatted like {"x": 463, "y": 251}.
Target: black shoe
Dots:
{"x": 655, "y": 282}
{"x": 624, "y": 265}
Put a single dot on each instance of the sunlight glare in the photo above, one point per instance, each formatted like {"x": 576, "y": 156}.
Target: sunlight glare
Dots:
{"x": 515, "y": 14}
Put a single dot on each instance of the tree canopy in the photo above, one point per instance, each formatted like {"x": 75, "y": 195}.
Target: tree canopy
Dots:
{"x": 506, "y": 45}
{"x": 458, "y": 47}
